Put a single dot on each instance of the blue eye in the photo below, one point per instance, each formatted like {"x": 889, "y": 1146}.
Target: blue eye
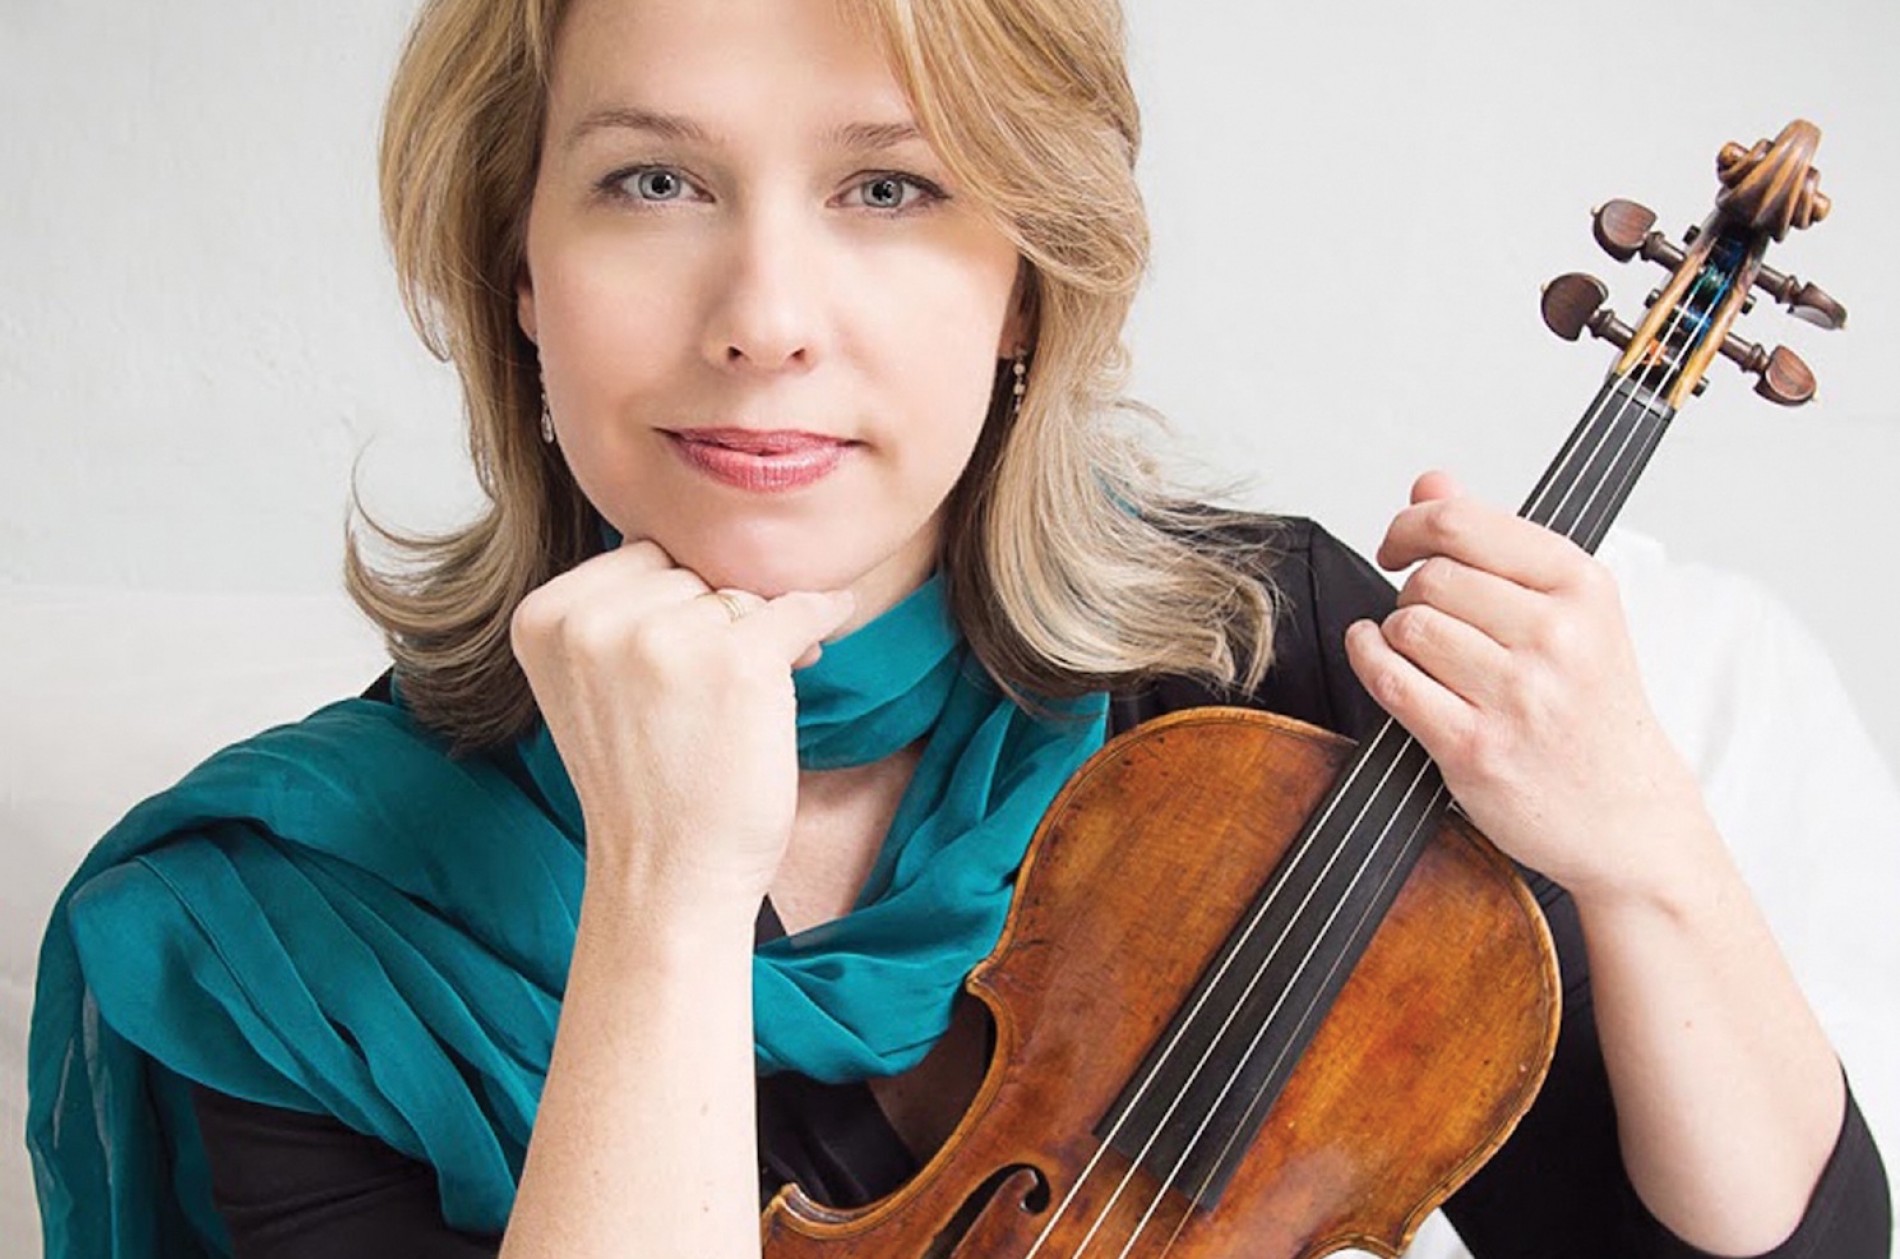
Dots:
{"x": 655, "y": 183}
{"x": 885, "y": 193}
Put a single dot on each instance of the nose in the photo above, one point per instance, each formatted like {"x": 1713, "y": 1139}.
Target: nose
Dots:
{"x": 765, "y": 312}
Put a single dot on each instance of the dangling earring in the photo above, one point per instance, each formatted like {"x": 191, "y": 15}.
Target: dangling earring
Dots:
{"x": 547, "y": 420}
{"x": 1021, "y": 387}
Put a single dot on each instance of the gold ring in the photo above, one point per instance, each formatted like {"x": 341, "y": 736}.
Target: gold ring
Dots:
{"x": 734, "y": 607}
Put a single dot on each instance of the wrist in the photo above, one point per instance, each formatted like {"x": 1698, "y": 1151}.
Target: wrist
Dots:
{"x": 670, "y": 899}
{"x": 1684, "y": 869}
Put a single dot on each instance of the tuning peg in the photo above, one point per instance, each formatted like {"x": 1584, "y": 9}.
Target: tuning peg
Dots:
{"x": 1784, "y": 378}
{"x": 1804, "y": 301}
{"x": 1573, "y": 304}
{"x": 1622, "y": 228}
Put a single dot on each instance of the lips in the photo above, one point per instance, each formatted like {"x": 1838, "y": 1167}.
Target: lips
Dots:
{"x": 752, "y": 441}
{"x": 760, "y": 460}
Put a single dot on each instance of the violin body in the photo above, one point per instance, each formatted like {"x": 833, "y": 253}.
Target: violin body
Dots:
{"x": 1433, "y": 1050}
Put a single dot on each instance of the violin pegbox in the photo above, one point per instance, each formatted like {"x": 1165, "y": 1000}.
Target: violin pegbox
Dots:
{"x": 1765, "y": 191}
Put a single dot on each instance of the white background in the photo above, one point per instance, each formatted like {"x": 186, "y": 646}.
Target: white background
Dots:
{"x": 1354, "y": 207}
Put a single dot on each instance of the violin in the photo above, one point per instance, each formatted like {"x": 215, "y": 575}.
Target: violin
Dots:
{"x": 1262, "y": 992}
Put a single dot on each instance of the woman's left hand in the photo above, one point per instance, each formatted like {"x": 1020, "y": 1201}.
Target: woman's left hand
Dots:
{"x": 1509, "y": 660}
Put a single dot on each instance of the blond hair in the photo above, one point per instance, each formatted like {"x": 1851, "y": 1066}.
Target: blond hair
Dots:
{"x": 1060, "y": 515}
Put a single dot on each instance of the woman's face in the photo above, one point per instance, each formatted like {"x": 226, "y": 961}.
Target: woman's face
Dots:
{"x": 768, "y": 323}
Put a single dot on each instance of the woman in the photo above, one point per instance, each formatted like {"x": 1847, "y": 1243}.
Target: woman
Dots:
{"x": 790, "y": 338}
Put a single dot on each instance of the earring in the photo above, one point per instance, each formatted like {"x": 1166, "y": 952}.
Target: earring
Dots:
{"x": 547, "y": 420}
{"x": 1021, "y": 387}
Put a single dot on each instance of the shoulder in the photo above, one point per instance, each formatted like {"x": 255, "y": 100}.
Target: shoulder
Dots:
{"x": 1311, "y": 571}
{"x": 1319, "y": 586}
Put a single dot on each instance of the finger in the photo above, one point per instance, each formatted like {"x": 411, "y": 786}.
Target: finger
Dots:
{"x": 739, "y": 603}
{"x": 642, "y": 551}
{"x": 612, "y": 595}
{"x": 1435, "y": 484}
{"x": 1485, "y": 538}
{"x": 634, "y": 559}
{"x": 1505, "y": 611}
{"x": 633, "y": 595}
{"x": 790, "y": 625}
{"x": 728, "y": 604}
{"x": 1459, "y": 657}
{"x": 1430, "y": 712}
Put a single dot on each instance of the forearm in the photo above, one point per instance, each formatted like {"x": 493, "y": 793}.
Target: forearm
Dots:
{"x": 1728, "y": 1095}
{"x": 646, "y": 1125}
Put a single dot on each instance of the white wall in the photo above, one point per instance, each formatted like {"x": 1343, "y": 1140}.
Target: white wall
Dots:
{"x": 198, "y": 326}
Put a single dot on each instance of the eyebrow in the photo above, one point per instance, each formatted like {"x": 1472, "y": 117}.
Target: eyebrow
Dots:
{"x": 855, "y": 136}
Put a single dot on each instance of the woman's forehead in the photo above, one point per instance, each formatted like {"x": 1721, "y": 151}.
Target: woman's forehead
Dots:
{"x": 693, "y": 66}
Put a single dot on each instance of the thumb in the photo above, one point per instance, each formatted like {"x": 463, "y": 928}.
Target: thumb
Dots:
{"x": 1434, "y": 485}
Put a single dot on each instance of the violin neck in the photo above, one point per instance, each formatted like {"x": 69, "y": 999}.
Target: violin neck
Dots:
{"x": 1298, "y": 943}
{"x": 1585, "y": 487}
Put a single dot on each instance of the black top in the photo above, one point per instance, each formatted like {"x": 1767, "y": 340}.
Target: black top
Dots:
{"x": 291, "y": 1185}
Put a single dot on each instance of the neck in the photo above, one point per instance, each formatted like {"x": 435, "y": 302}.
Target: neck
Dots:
{"x": 842, "y": 819}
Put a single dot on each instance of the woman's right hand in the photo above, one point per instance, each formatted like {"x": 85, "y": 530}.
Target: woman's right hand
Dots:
{"x": 675, "y": 721}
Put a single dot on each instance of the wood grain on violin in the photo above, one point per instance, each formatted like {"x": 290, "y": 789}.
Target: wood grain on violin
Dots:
{"x": 1136, "y": 879}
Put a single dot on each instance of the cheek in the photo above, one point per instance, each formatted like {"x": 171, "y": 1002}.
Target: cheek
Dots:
{"x": 941, "y": 355}
{"x": 611, "y": 319}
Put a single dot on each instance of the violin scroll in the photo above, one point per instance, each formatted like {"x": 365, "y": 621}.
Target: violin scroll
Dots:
{"x": 1774, "y": 186}
{"x": 1765, "y": 191}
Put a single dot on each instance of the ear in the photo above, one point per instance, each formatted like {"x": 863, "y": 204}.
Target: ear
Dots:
{"x": 524, "y": 304}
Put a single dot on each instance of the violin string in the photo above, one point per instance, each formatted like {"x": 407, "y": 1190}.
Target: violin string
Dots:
{"x": 1593, "y": 534}
{"x": 1628, "y": 398}
{"x": 1672, "y": 371}
{"x": 1359, "y": 767}
{"x": 1233, "y": 1012}
{"x": 1423, "y": 776}
{"x": 1672, "y": 374}
{"x": 1367, "y": 917}
{"x": 1571, "y": 477}
{"x": 1313, "y": 832}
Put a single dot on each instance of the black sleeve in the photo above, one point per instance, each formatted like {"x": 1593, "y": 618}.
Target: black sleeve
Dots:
{"x": 291, "y": 1185}
{"x": 1323, "y": 586}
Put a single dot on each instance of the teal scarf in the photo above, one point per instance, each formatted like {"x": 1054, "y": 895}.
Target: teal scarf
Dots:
{"x": 335, "y": 917}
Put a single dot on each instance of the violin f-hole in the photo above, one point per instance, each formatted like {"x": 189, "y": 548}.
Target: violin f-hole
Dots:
{"x": 984, "y": 1222}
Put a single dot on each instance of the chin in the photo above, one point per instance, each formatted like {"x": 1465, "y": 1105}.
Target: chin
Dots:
{"x": 769, "y": 557}
{"x": 769, "y": 567}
